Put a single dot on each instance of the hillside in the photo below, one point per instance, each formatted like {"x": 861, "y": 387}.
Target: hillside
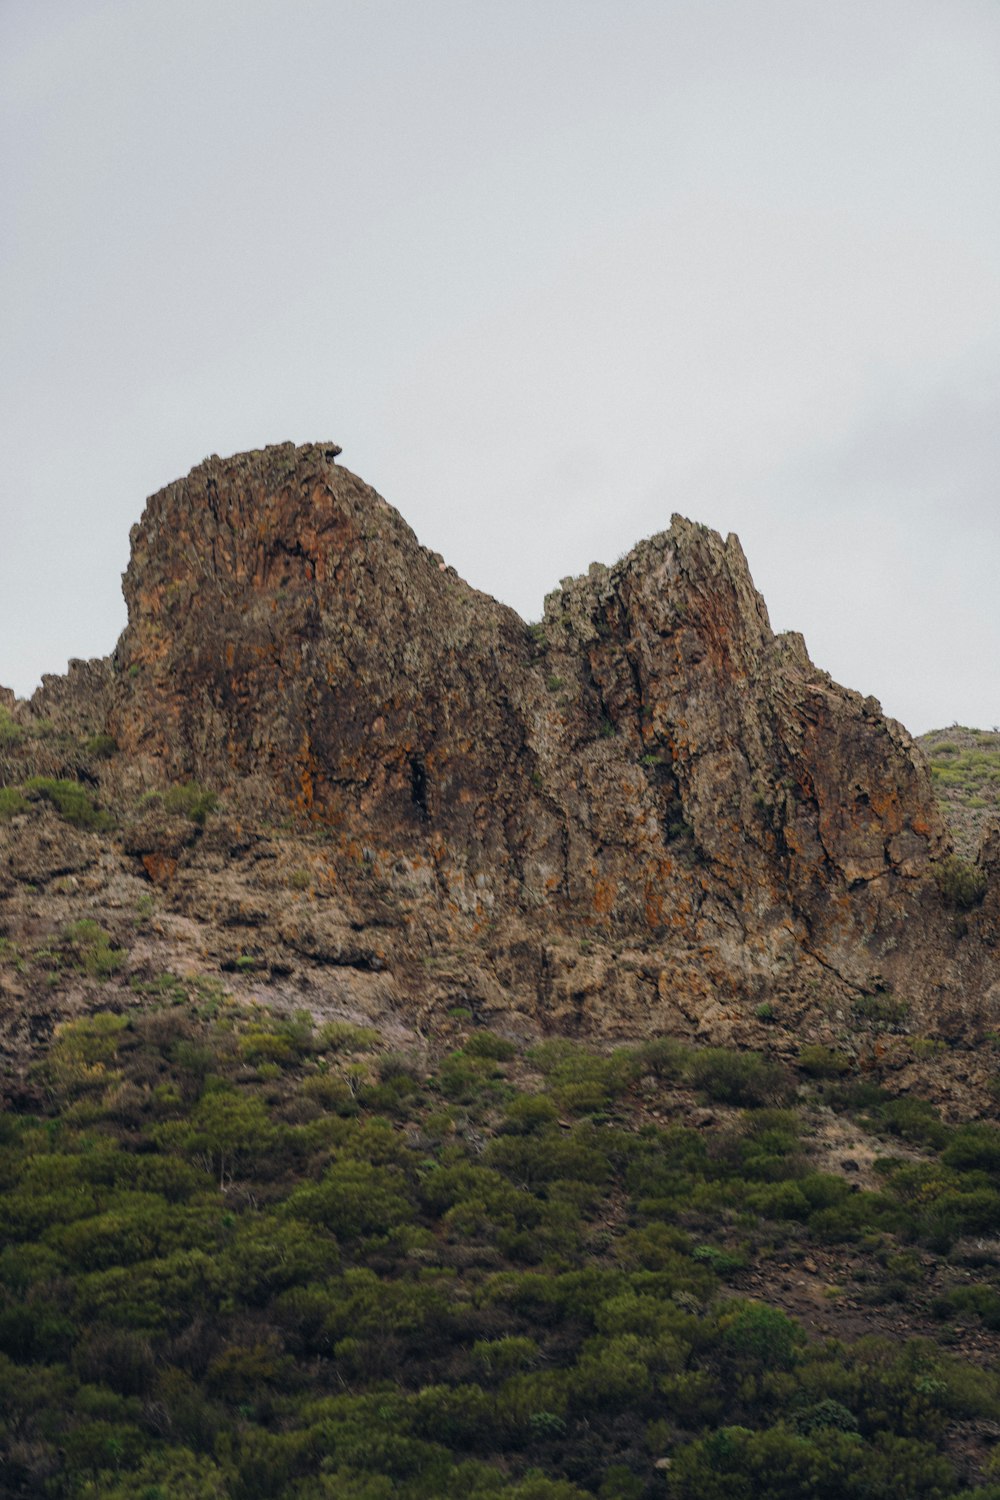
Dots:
{"x": 447, "y": 1056}
{"x": 249, "y": 1256}
{"x": 965, "y": 768}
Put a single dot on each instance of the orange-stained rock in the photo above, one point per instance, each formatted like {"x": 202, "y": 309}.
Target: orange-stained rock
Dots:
{"x": 650, "y": 771}
{"x": 160, "y": 868}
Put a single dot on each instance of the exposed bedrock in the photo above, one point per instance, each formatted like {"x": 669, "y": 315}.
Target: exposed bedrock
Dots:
{"x": 650, "y": 772}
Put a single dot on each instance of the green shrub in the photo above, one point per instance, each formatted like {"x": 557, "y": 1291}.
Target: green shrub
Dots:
{"x": 465, "y": 1078}
{"x": 743, "y": 1078}
{"x": 771, "y": 1144}
{"x": 329, "y": 1092}
{"x": 189, "y": 800}
{"x": 735, "y": 1463}
{"x": 228, "y": 1133}
{"x": 664, "y": 1057}
{"x": 93, "y": 1038}
{"x": 260, "y": 1046}
{"x": 546, "y": 1157}
{"x": 581, "y": 1081}
{"x": 164, "y": 988}
{"x": 460, "y": 1417}
{"x": 101, "y": 746}
{"x": 354, "y": 1198}
{"x": 93, "y": 949}
{"x": 819, "y": 1061}
{"x": 961, "y": 884}
{"x": 614, "y": 1372}
{"x": 762, "y": 1336}
{"x": 974, "y": 1148}
{"x": 914, "y": 1120}
{"x": 71, "y": 800}
{"x": 393, "y": 1067}
{"x": 11, "y": 732}
{"x": 722, "y": 1262}
{"x": 826, "y": 1413}
{"x": 529, "y": 1112}
{"x": 11, "y": 803}
{"x": 977, "y": 1301}
{"x": 881, "y": 1009}
{"x": 856, "y": 1096}
{"x": 488, "y": 1044}
{"x": 849, "y": 1219}
{"x": 501, "y": 1357}
{"x": 344, "y": 1036}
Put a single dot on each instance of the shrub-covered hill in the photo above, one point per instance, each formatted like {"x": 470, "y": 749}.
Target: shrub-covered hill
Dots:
{"x": 965, "y": 768}
{"x": 243, "y": 1256}
{"x": 261, "y": 1238}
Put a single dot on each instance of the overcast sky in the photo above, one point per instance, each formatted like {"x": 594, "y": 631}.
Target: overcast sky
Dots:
{"x": 548, "y": 270}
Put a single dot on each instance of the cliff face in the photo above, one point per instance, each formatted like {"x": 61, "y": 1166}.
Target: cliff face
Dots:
{"x": 652, "y": 760}
{"x": 286, "y": 626}
{"x": 647, "y": 810}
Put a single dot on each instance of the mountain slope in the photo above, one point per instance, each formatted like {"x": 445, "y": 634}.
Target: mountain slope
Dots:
{"x": 308, "y": 897}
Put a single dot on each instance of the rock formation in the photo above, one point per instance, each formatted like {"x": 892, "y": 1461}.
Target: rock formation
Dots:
{"x": 647, "y": 811}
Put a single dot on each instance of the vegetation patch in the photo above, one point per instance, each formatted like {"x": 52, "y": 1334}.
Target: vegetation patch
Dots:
{"x": 72, "y": 801}
{"x": 243, "y": 1256}
{"x": 739, "y": 1078}
{"x": 960, "y": 883}
{"x": 12, "y": 802}
{"x": 965, "y": 770}
{"x": 190, "y": 800}
{"x": 11, "y": 732}
{"x": 881, "y": 1010}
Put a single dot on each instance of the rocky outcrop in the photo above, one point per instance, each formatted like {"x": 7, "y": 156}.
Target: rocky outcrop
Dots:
{"x": 287, "y": 629}
{"x": 646, "y": 810}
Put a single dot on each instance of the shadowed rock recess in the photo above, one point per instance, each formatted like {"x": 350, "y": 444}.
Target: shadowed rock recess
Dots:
{"x": 647, "y": 812}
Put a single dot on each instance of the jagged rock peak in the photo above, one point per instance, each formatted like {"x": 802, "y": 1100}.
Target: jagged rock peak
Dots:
{"x": 286, "y": 625}
{"x": 649, "y": 766}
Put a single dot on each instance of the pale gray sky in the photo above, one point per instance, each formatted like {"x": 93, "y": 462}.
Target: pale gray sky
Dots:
{"x": 548, "y": 270}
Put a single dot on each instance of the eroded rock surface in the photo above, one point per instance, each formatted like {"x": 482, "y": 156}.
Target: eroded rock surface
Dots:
{"x": 646, "y": 812}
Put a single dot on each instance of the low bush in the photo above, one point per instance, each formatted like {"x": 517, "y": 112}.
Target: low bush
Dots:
{"x": 961, "y": 884}
{"x": 345, "y": 1036}
{"x": 488, "y": 1044}
{"x": 11, "y": 732}
{"x": 974, "y": 1148}
{"x": 664, "y": 1057}
{"x": 818, "y": 1061}
{"x": 189, "y": 800}
{"x": 93, "y": 949}
{"x": 581, "y": 1081}
{"x": 11, "y": 803}
{"x": 71, "y": 800}
{"x": 980, "y": 1301}
{"x": 101, "y": 746}
{"x": 742, "y": 1078}
{"x": 881, "y": 1009}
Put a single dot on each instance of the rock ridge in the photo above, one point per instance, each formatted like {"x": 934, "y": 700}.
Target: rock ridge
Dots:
{"x": 647, "y": 809}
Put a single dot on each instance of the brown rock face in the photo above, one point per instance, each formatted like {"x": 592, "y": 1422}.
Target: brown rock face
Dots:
{"x": 285, "y": 626}
{"x": 650, "y": 767}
